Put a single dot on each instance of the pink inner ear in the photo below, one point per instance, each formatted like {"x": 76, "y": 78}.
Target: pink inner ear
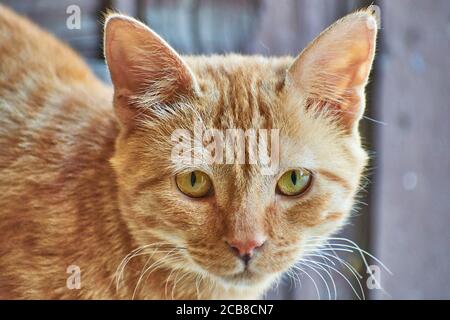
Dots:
{"x": 139, "y": 60}
{"x": 143, "y": 64}
{"x": 334, "y": 69}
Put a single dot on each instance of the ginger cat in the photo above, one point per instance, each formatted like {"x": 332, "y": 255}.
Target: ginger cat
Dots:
{"x": 87, "y": 178}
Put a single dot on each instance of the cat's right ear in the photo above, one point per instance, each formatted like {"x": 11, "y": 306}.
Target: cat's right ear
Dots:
{"x": 143, "y": 65}
{"x": 332, "y": 72}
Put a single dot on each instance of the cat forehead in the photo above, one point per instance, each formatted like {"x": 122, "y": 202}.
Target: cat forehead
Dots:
{"x": 235, "y": 74}
{"x": 246, "y": 93}
{"x": 234, "y": 63}
{"x": 240, "y": 91}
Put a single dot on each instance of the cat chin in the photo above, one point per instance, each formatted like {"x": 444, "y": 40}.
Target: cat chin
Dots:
{"x": 246, "y": 280}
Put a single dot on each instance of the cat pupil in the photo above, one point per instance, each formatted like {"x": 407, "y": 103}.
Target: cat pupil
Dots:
{"x": 193, "y": 179}
{"x": 294, "y": 177}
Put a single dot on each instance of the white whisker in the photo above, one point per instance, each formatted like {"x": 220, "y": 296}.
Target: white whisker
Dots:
{"x": 312, "y": 279}
{"x": 328, "y": 272}
{"x": 305, "y": 263}
{"x": 348, "y": 281}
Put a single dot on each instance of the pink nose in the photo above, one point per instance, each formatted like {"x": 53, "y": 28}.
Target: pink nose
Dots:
{"x": 245, "y": 249}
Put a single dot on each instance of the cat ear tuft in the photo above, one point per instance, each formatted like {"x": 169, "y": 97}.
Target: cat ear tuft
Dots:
{"x": 333, "y": 70}
{"x": 143, "y": 65}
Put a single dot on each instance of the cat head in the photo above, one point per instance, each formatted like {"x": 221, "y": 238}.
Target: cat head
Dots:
{"x": 233, "y": 221}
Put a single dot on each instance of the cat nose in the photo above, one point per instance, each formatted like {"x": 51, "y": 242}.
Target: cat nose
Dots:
{"x": 245, "y": 249}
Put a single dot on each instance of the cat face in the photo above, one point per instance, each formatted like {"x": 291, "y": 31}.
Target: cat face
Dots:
{"x": 232, "y": 221}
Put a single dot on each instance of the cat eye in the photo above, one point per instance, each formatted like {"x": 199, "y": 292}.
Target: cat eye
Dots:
{"x": 294, "y": 182}
{"x": 195, "y": 184}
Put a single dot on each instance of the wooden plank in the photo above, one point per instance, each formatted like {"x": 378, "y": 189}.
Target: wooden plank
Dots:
{"x": 52, "y": 16}
{"x": 413, "y": 184}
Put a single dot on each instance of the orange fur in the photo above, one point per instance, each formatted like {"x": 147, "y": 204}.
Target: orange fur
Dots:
{"x": 82, "y": 186}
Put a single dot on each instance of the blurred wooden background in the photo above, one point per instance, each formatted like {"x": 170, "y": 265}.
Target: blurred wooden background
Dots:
{"x": 405, "y": 215}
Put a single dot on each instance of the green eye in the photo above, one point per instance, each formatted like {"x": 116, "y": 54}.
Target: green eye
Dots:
{"x": 195, "y": 184}
{"x": 294, "y": 182}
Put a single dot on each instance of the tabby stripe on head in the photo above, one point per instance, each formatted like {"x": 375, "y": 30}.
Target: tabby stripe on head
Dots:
{"x": 335, "y": 178}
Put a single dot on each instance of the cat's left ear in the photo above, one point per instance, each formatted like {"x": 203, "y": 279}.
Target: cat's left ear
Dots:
{"x": 333, "y": 70}
{"x": 143, "y": 65}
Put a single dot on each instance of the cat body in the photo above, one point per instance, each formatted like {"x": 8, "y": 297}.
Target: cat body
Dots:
{"x": 89, "y": 208}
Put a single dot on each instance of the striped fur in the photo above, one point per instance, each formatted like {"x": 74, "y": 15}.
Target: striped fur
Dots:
{"x": 83, "y": 185}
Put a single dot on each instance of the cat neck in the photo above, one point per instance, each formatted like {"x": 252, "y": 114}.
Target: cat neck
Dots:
{"x": 100, "y": 238}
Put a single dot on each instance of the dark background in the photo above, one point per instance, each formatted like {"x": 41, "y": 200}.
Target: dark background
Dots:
{"x": 404, "y": 214}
